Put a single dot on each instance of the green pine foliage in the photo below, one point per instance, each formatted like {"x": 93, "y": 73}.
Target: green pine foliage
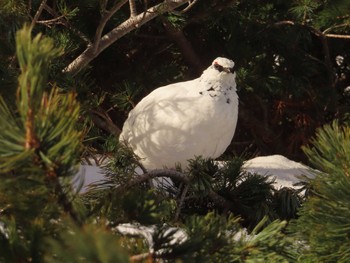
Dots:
{"x": 39, "y": 149}
{"x": 217, "y": 239}
{"x": 90, "y": 243}
{"x": 324, "y": 219}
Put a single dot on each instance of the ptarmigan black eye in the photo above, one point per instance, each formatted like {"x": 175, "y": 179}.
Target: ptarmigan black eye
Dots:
{"x": 232, "y": 70}
{"x": 218, "y": 67}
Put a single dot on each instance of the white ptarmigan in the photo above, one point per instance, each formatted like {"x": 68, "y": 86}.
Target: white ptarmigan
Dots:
{"x": 179, "y": 121}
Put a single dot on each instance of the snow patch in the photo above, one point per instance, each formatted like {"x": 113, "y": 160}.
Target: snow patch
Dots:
{"x": 285, "y": 172}
{"x": 178, "y": 235}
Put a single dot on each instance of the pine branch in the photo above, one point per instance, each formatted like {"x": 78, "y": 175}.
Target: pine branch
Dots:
{"x": 49, "y": 118}
{"x": 65, "y": 23}
{"x": 327, "y": 207}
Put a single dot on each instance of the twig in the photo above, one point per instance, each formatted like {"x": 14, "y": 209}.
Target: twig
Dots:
{"x": 29, "y": 6}
{"x": 133, "y": 11}
{"x": 326, "y": 53}
{"x": 38, "y": 13}
{"x": 68, "y": 25}
{"x": 181, "y": 201}
{"x": 338, "y": 36}
{"x": 50, "y": 21}
{"x": 190, "y": 5}
{"x": 284, "y": 22}
{"x": 143, "y": 168}
{"x": 107, "y": 15}
{"x": 220, "y": 201}
{"x": 139, "y": 179}
{"x": 336, "y": 26}
{"x": 102, "y": 120}
{"x": 141, "y": 257}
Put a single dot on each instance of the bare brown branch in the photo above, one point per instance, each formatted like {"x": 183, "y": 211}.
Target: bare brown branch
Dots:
{"x": 189, "y": 6}
{"x": 141, "y": 257}
{"x": 50, "y": 21}
{"x": 102, "y": 120}
{"x": 38, "y": 13}
{"x": 220, "y": 201}
{"x": 181, "y": 201}
{"x": 284, "y": 22}
{"x": 334, "y": 27}
{"x": 338, "y": 36}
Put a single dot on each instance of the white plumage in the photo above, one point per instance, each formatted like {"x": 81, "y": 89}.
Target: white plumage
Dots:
{"x": 179, "y": 121}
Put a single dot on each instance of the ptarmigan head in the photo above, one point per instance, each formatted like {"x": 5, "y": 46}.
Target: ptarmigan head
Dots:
{"x": 220, "y": 69}
{"x": 223, "y": 65}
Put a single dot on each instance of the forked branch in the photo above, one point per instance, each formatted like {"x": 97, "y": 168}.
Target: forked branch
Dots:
{"x": 102, "y": 42}
{"x": 104, "y": 19}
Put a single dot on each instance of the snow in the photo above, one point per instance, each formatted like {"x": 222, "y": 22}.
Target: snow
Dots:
{"x": 3, "y": 230}
{"x": 88, "y": 174}
{"x": 178, "y": 235}
{"x": 285, "y": 172}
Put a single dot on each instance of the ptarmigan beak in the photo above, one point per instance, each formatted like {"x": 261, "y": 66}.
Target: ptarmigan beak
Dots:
{"x": 229, "y": 70}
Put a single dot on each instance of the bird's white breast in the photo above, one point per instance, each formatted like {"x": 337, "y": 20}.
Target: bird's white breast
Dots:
{"x": 180, "y": 121}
